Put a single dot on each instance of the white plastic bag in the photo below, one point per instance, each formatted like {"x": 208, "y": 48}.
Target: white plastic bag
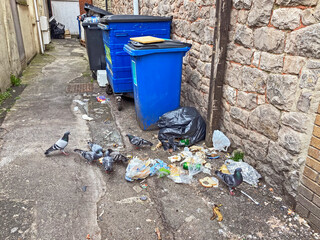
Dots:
{"x": 220, "y": 141}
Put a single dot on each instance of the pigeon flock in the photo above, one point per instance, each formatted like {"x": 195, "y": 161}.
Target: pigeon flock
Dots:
{"x": 96, "y": 152}
{"x": 109, "y": 157}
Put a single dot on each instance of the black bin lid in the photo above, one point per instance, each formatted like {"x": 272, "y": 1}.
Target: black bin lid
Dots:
{"x": 134, "y": 18}
{"x": 88, "y": 7}
{"x": 166, "y": 44}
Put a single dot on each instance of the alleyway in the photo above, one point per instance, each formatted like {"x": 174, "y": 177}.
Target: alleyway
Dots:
{"x": 63, "y": 197}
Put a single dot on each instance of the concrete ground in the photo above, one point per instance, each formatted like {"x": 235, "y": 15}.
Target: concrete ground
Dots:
{"x": 63, "y": 197}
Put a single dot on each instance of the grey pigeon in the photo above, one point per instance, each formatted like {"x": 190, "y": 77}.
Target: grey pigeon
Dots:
{"x": 138, "y": 141}
{"x": 107, "y": 163}
{"x": 116, "y": 156}
{"x": 88, "y": 155}
{"x": 232, "y": 180}
{"x": 59, "y": 145}
{"x": 96, "y": 148}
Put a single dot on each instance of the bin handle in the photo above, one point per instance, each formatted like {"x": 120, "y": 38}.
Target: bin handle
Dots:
{"x": 104, "y": 27}
{"x": 121, "y": 34}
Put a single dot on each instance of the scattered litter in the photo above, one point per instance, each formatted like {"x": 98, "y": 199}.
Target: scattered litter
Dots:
{"x": 137, "y": 189}
{"x": 183, "y": 123}
{"x": 277, "y": 198}
{"x": 158, "y": 146}
{"x": 291, "y": 212}
{"x": 217, "y": 213}
{"x": 101, "y": 99}
{"x": 249, "y": 174}
{"x": 148, "y": 220}
{"x": 75, "y": 108}
{"x": 224, "y": 169}
{"x": 129, "y": 200}
{"x": 86, "y": 117}
{"x": 209, "y": 182}
{"x": 88, "y": 236}
{"x": 266, "y": 203}
{"x": 100, "y": 215}
{"x": 79, "y": 102}
{"x": 157, "y": 230}
{"x": 175, "y": 158}
{"x": 271, "y": 190}
{"x": 143, "y": 198}
{"x": 139, "y": 169}
{"x": 220, "y": 141}
{"x": 249, "y": 197}
{"x": 283, "y": 208}
{"x": 216, "y": 157}
{"x": 144, "y": 185}
{"x": 84, "y": 188}
{"x": 208, "y": 165}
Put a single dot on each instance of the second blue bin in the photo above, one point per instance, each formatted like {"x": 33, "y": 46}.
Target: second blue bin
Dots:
{"x": 118, "y": 29}
{"x": 156, "y": 72}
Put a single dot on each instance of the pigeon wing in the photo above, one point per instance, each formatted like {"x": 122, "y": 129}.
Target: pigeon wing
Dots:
{"x": 60, "y": 144}
{"x": 226, "y": 178}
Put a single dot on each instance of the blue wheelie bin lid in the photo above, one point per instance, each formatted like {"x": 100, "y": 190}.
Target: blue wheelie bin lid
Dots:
{"x": 134, "y": 18}
{"x": 138, "y": 49}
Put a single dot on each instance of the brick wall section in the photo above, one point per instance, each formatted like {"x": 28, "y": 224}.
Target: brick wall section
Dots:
{"x": 308, "y": 200}
{"x": 81, "y": 5}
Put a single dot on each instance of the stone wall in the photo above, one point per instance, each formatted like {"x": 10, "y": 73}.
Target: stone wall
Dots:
{"x": 122, "y": 6}
{"x": 272, "y": 85}
{"x": 309, "y": 190}
{"x": 193, "y": 22}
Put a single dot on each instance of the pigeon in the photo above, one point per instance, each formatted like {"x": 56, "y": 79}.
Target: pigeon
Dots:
{"x": 96, "y": 148}
{"x": 59, "y": 145}
{"x": 232, "y": 180}
{"x": 107, "y": 163}
{"x": 138, "y": 142}
{"x": 116, "y": 156}
{"x": 88, "y": 155}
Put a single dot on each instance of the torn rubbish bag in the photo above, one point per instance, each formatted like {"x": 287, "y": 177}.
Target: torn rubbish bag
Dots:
{"x": 184, "y": 123}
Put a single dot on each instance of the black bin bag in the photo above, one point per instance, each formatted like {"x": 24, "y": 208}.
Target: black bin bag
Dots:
{"x": 184, "y": 123}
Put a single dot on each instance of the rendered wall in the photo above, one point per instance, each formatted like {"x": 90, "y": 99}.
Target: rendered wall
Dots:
{"x": 9, "y": 60}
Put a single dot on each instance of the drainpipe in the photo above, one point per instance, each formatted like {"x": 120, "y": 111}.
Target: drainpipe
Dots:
{"x": 136, "y": 7}
{"x": 38, "y": 26}
{"x": 218, "y": 67}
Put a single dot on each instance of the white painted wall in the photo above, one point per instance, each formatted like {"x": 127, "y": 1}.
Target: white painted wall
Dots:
{"x": 66, "y": 13}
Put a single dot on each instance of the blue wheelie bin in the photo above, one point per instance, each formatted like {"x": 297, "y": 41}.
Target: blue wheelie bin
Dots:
{"x": 117, "y": 31}
{"x": 156, "y": 73}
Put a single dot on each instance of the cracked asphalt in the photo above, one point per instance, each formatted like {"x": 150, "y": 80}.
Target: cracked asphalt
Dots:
{"x": 63, "y": 197}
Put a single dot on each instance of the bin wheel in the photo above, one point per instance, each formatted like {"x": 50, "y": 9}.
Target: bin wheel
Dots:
{"x": 94, "y": 75}
{"x": 109, "y": 89}
{"x": 119, "y": 104}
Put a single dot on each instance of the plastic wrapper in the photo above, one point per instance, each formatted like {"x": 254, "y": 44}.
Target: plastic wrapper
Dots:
{"x": 160, "y": 168}
{"x": 182, "y": 123}
{"x": 93, "y": 19}
{"x": 138, "y": 169}
{"x": 249, "y": 174}
{"x": 220, "y": 141}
